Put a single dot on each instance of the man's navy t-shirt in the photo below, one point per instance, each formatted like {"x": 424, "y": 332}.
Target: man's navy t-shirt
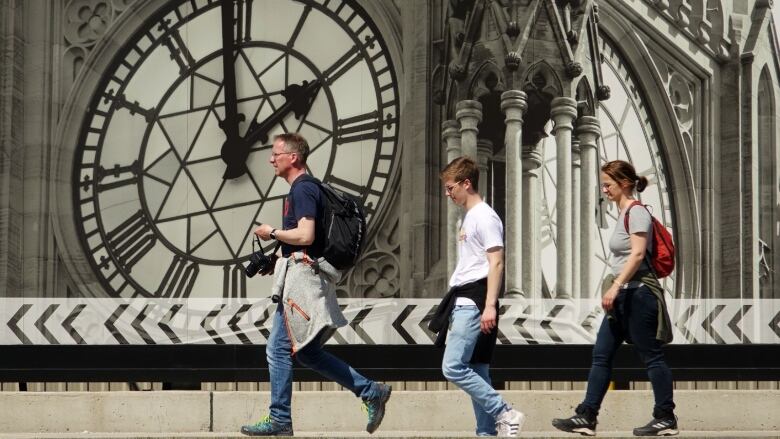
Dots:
{"x": 303, "y": 200}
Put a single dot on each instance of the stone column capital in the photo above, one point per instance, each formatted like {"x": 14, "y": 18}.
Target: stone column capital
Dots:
{"x": 513, "y": 104}
{"x": 563, "y": 111}
{"x": 588, "y": 124}
{"x": 450, "y": 128}
{"x": 450, "y": 134}
{"x": 469, "y": 114}
{"x": 588, "y": 130}
{"x": 575, "y": 153}
{"x": 485, "y": 146}
{"x": 532, "y": 157}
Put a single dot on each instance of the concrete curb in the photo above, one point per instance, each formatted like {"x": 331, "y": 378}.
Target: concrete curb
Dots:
{"x": 329, "y": 435}
{"x": 178, "y": 412}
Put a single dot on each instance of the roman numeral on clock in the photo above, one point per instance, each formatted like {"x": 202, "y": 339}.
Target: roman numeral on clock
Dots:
{"x": 116, "y": 172}
{"x": 363, "y": 127}
{"x": 179, "y": 279}
{"x": 244, "y": 20}
{"x": 175, "y": 44}
{"x": 129, "y": 242}
{"x": 348, "y": 60}
{"x": 234, "y": 281}
{"x": 134, "y": 107}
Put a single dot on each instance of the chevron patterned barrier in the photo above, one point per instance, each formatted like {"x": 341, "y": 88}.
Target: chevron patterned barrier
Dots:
{"x": 371, "y": 321}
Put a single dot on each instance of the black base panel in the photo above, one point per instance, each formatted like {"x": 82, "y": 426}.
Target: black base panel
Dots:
{"x": 203, "y": 363}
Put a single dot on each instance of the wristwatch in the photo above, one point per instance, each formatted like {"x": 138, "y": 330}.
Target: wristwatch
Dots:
{"x": 273, "y": 234}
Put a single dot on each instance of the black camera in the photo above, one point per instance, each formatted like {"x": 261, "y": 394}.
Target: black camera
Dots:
{"x": 259, "y": 262}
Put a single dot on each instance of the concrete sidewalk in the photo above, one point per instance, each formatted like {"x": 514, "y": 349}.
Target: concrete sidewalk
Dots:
{"x": 399, "y": 434}
{"x": 194, "y": 414}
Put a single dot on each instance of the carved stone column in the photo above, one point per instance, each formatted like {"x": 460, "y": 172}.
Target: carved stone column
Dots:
{"x": 563, "y": 112}
{"x": 450, "y": 134}
{"x": 588, "y": 132}
{"x": 576, "y": 190}
{"x": 514, "y": 104}
{"x": 12, "y": 148}
{"x": 469, "y": 115}
{"x": 484, "y": 153}
{"x": 532, "y": 233}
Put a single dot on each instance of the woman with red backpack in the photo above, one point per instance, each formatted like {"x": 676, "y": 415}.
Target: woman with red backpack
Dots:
{"x": 636, "y": 311}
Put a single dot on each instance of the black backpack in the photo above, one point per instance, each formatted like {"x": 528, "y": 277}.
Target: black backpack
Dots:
{"x": 344, "y": 226}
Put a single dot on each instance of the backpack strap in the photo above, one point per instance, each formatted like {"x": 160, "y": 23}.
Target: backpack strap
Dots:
{"x": 305, "y": 177}
{"x": 625, "y": 224}
{"x": 625, "y": 217}
{"x": 312, "y": 179}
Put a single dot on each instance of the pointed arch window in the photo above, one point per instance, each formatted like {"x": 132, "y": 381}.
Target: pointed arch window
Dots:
{"x": 768, "y": 225}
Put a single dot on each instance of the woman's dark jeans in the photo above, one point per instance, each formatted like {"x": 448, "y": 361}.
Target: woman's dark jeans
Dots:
{"x": 636, "y": 320}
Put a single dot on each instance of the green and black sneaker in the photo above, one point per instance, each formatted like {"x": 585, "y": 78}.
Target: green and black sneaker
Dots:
{"x": 267, "y": 427}
{"x": 375, "y": 407}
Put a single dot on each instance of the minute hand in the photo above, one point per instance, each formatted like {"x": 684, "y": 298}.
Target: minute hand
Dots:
{"x": 298, "y": 99}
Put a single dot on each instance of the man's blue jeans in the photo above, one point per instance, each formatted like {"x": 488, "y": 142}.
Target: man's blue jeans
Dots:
{"x": 636, "y": 317}
{"x": 313, "y": 356}
{"x": 473, "y": 378}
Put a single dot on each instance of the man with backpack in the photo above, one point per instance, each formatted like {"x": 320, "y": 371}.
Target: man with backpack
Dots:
{"x": 308, "y": 312}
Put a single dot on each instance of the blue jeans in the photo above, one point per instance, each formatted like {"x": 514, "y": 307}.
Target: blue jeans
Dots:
{"x": 280, "y": 367}
{"x": 472, "y": 378}
{"x": 636, "y": 317}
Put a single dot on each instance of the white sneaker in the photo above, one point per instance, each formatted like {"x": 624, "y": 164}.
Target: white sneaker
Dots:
{"x": 509, "y": 423}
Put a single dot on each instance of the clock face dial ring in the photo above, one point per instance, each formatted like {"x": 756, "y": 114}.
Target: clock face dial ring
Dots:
{"x": 155, "y": 215}
{"x": 627, "y": 133}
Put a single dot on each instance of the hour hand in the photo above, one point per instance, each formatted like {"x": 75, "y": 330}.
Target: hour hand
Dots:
{"x": 298, "y": 99}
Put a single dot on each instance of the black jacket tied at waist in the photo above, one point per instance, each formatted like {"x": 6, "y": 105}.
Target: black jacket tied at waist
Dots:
{"x": 440, "y": 322}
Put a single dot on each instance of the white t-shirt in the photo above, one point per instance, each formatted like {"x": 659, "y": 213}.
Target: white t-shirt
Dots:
{"x": 480, "y": 231}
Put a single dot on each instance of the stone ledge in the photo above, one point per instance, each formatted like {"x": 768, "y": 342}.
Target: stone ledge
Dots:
{"x": 201, "y": 412}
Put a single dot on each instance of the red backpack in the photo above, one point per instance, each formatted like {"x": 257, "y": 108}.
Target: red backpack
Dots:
{"x": 662, "y": 257}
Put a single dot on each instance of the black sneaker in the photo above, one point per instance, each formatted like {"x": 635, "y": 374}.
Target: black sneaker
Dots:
{"x": 267, "y": 427}
{"x": 583, "y": 422}
{"x": 375, "y": 408}
{"x": 659, "y": 427}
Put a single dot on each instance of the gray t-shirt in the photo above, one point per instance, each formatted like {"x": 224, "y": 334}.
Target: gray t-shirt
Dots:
{"x": 639, "y": 220}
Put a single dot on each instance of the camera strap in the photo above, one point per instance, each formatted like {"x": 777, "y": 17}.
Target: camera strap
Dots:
{"x": 260, "y": 244}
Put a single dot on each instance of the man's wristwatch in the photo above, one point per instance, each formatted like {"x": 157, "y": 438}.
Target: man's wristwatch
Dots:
{"x": 273, "y": 234}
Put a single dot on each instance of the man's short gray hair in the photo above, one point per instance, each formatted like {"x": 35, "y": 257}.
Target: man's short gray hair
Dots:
{"x": 294, "y": 142}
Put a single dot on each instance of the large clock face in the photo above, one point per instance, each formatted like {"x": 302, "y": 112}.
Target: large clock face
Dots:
{"x": 627, "y": 133}
{"x": 172, "y": 173}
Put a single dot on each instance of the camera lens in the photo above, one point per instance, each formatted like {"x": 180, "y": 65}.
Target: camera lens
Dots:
{"x": 258, "y": 262}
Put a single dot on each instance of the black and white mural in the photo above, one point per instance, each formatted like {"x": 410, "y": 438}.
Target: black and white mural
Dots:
{"x": 127, "y": 212}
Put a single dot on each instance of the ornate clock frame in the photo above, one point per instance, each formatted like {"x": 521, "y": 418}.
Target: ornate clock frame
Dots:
{"x": 91, "y": 61}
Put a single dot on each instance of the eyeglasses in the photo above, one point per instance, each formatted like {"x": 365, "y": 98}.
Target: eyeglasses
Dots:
{"x": 449, "y": 188}
{"x": 277, "y": 154}
{"x": 606, "y": 186}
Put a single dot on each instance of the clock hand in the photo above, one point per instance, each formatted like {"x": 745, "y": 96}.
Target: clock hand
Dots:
{"x": 299, "y": 99}
{"x": 232, "y": 118}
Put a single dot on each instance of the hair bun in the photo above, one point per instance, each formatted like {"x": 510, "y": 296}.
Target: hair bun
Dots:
{"x": 641, "y": 183}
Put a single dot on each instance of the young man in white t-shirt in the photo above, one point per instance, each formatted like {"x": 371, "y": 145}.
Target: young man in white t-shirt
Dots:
{"x": 470, "y": 306}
